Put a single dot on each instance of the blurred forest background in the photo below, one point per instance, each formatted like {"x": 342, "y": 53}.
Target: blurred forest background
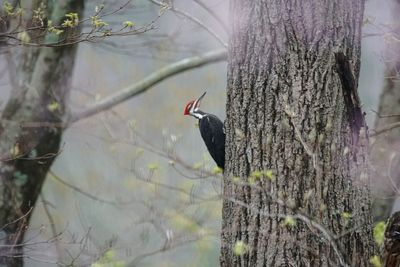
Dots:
{"x": 135, "y": 186}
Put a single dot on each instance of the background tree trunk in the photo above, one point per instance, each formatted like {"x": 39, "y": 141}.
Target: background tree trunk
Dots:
{"x": 385, "y": 149}
{"x": 31, "y": 128}
{"x": 287, "y": 111}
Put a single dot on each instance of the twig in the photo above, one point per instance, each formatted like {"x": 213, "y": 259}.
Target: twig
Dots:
{"x": 297, "y": 215}
{"x": 52, "y": 224}
{"x": 164, "y": 248}
{"x": 57, "y": 178}
{"x": 194, "y": 19}
{"x": 213, "y": 14}
{"x": 386, "y": 115}
{"x": 385, "y": 129}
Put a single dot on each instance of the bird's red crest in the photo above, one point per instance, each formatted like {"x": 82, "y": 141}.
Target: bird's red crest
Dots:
{"x": 187, "y": 108}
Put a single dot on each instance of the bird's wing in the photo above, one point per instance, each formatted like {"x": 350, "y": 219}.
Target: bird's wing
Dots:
{"x": 212, "y": 132}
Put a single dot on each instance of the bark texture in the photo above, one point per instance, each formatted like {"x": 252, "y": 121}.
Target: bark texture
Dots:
{"x": 30, "y": 128}
{"x": 385, "y": 149}
{"x": 286, "y": 112}
{"x": 391, "y": 245}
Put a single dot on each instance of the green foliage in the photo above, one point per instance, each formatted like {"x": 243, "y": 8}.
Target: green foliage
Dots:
{"x": 379, "y": 232}
{"x": 52, "y": 29}
{"x": 183, "y": 223}
{"x": 99, "y": 8}
{"x": 346, "y": 215}
{"x": 198, "y": 165}
{"x": 217, "y": 170}
{"x": 289, "y": 221}
{"x": 269, "y": 174}
{"x": 128, "y": 23}
{"x": 257, "y": 175}
{"x": 39, "y": 14}
{"x": 152, "y": 166}
{"x": 109, "y": 260}
{"x": 236, "y": 179}
{"x": 71, "y": 21}
{"x": 98, "y": 23}
{"x": 24, "y": 37}
{"x": 15, "y": 151}
{"x": 8, "y": 8}
{"x": 53, "y": 106}
{"x": 240, "y": 248}
{"x": 375, "y": 261}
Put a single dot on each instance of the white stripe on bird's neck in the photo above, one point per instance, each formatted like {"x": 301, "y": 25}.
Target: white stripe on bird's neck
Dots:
{"x": 197, "y": 114}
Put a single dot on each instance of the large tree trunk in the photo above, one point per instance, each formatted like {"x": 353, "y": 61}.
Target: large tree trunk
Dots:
{"x": 292, "y": 110}
{"x": 31, "y": 128}
{"x": 385, "y": 155}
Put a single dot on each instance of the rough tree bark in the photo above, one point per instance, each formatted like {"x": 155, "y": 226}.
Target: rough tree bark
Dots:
{"x": 391, "y": 244}
{"x": 385, "y": 156}
{"x": 292, "y": 108}
{"x": 30, "y": 131}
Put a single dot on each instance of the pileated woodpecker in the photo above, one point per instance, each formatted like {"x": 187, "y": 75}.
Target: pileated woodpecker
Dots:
{"x": 211, "y": 130}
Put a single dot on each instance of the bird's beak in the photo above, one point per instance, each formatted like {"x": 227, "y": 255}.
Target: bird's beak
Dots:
{"x": 197, "y": 102}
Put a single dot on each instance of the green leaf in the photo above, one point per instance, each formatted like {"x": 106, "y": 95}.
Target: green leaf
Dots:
{"x": 152, "y": 166}
{"x": 109, "y": 260}
{"x": 53, "y": 106}
{"x": 15, "y": 151}
{"x": 240, "y": 248}
{"x": 346, "y": 215}
{"x": 217, "y": 170}
{"x": 256, "y": 174}
{"x": 375, "y": 261}
{"x": 128, "y": 23}
{"x": 198, "y": 165}
{"x": 379, "y": 232}
{"x": 98, "y": 23}
{"x": 8, "y": 8}
{"x": 24, "y": 37}
{"x": 289, "y": 221}
{"x": 269, "y": 174}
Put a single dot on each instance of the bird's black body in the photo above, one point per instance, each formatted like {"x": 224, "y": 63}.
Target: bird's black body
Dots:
{"x": 212, "y": 132}
{"x": 211, "y": 129}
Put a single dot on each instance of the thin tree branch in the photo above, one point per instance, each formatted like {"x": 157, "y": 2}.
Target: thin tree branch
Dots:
{"x": 149, "y": 81}
{"x": 75, "y": 188}
{"x": 194, "y": 19}
{"x": 385, "y": 129}
{"x": 213, "y": 14}
{"x": 386, "y": 115}
{"x": 52, "y": 225}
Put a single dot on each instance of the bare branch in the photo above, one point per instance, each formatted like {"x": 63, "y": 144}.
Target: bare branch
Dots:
{"x": 52, "y": 225}
{"x": 194, "y": 19}
{"x": 81, "y": 191}
{"x": 149, "y": 81}
{"x": 386, "y": 115}
{"x": 213, "y": 14}
{"x": 385, "y": 129}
